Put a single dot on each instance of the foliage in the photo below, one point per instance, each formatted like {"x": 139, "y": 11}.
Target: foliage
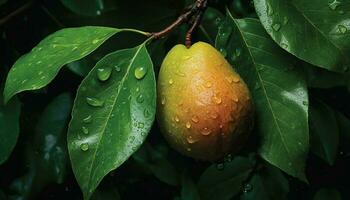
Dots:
{"x": 293, "y": 55}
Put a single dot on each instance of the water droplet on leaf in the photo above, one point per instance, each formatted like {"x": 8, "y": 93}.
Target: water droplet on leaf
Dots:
{"x": 140, "y": 73}
{"x": 220, "y": 166}
{"x": 87, "y": 119}
{"x": 85, "y": 130}
{"x": 205, "y": 131}
{"x": 140, "y": 98}
{"x": 247, "y": 188}
{"x": 334, "y": 4}
{"x": 342, "y": 29}
{"x": 103, "y": 74}
{"x": 276, "y": 27}
{"x": 94, "y": 102}
{"x": 195, "y": 119}
{"x": 84, "y": 146}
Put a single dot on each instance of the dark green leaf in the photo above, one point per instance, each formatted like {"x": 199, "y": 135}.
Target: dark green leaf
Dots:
{"x": 37, "y": 68}
{"x": 9, "y": 123}
{"x": 81, "y": 67}
{"x": 327, "y": 194}
{"x": 225, "y": 180}
{"x": 188, "y": 188}
{"x": 279, "y": 93}
{"x": 316, "y": 31}
{"x": 108, "y": 192}
{"x": 113, "y": 112}
{"x": 267, "y": 184}
{"x": 90, "y": 7}
{"x": 210, "y": 23}
{"x": 324, "y": 131}
{"x": 50, "y": 137}
{"x": 321, "y": 78}
{"x": 344, "y": 131}
{"x": 156, "y": 161}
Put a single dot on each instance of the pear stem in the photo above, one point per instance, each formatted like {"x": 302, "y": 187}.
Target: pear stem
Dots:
{"x": 192, "y": 15}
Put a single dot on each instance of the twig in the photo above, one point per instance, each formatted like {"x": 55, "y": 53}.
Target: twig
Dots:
{"x": 15, "y": 13}
{"x": 192, "y": 15}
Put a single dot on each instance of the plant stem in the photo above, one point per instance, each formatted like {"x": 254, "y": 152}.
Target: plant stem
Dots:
{"x": 192, "y": 15}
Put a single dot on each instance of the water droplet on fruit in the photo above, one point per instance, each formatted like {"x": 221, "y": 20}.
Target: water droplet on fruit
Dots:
{"x": 276, "y": 27}
{"x": 208, "y": 84}
{"x": 176, "y": 119}
{"x": 235, "y": 79}
{"x": 84, "y": 146}
{"x": 195, "y": 119}
{"x": 140, "y": 72}
{"x": 214, "y": 115}
{"x": 190, "y": 140}
{"x": 205, "y": 131}
{"x": 87, "y": 119}
{"x": 140, "y": 98}
{"x": 103, "y": 74}
{"x": 85, "y": 130}
{"x": 171, "y": 81}
{"x": 334, "y": 4}
{"x": 188, "y": 125}
{"x": 163, "y": 101}
{"x": 94, "y": 102}
{"x": 217, "y": 99}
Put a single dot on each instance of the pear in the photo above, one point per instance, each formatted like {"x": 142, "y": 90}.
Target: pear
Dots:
{"x": 204, "y": 107}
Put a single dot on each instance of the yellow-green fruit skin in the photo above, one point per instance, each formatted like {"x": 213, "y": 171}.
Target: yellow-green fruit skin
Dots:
{"x": 204, "y": 107}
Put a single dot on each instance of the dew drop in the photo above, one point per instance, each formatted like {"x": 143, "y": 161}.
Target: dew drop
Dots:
{"x": 247, "y": 188}
{"x": 171, "y": 81}
{"x": 117, "y": 68}
{"x": 94, "y": 102}
{"x": 140, "y": 98}
{"x": 342, "y": 29}
{"x": 84, "y": 146}
{"x": 140, "y": 73}
{"x": 205, "y": 131}
{"x": 146, "y": 113}
{"x": 190, "y": 140}
{"x": 217, "y": 99}
{"x": 87, "y": 119}
{"x": 285, "y": 20}
{"x": 163, "y": 101}
{"x": 229, "y": 79}
{"x": 208, "y": 84}
{"x": 284, "y": 45}
{"x": 140, "y": 125}
{"x": 189, "y": 149}
{"x": 95, "y": 41}
{"x": 214, "y": 115}
{"x": 334, "y": 5}
{"x": 85, "y": 130}
{"x": 305, "y": 103}
{"x": 220, "y": 166}
{"x": 228, "y": 158}
{"x": 103, "y": 74}
{"x": 235, "y": 79}
{"x": 276, "y": 27}
{"x": 223, "y": 52}
{"x": 188, "y": 125}
{"x": 177, "y": 119}
{"x": 195, "y": 119}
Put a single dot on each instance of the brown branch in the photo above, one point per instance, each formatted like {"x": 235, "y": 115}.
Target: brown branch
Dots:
{"x": 192, "y": 15}
{"x": 16, "y": 12}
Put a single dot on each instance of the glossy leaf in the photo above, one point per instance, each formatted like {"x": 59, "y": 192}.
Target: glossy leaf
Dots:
{"x": 267, "y": 184}
{"x": 324, "y": 131}
{"x": 316, "y": 31}
{"x": 89, "y": 7}
{"x": 224, "y": 180}
{"x": 9, "y": 123}
{"x": 321, "y": 78}
{"x": 39, "y": 67}
{"x": 156, "y": 161}
{"x": 278, "y": 89}
{"x": 113, "y": 112}
{"x": 327, "y": 194}
{"x": 50, "y": 137}
{"x": 188, "y": 188}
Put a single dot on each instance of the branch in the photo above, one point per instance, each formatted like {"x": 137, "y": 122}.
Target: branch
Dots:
{"x": 16, "y": 12}
{"x": 192, "y": 15}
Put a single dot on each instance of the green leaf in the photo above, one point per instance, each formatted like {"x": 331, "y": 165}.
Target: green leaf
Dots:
{"x": 39, "y": 67}
{"x": 279, "y": 93}
{"x": 224, "y": 180}
{"x": 90, "y": 7}
{"x": 324, "y": 131}
{"x": 321, "y": 78}
{"x": 316, "y": 31}
{"x": 327, "y": 194}
{"x": 156, "y": 161}
{"x": 188, "y": 188}
{"x": 210, "y": 23}
{"x": 9, "y": 123}
{"x": 267, "y": 184}
{"x": 107, "y": 192}
{"x": 50, "y": 137}
{"x": 112, "y": 114}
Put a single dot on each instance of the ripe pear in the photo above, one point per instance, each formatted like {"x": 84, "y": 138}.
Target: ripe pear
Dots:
{"x": 204, "y": 107}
